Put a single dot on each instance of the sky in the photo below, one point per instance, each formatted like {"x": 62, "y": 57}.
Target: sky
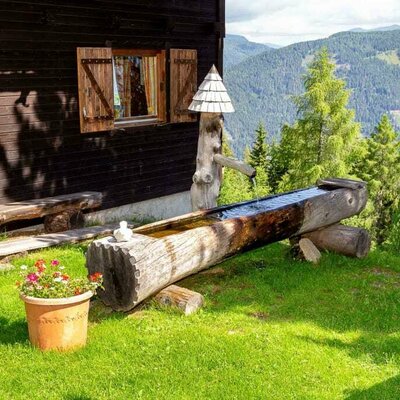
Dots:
{"x": 284, "y": 22}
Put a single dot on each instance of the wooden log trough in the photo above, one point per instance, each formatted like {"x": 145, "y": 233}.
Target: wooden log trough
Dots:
{"x": 165, "y": 252}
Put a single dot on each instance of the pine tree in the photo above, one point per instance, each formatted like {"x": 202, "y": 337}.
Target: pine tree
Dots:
{"x": 321, "y": 142}
{"x": 259, "y": 150}
{"x": 281, "y": 155}
{"x": 235, "y": 185}
{"x": 381, "y": 169}
{"x": 258, "y": 159}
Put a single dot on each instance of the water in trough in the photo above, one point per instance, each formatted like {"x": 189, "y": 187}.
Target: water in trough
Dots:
{"x": 269, "y": 203}
{"x": 241, "y": 210}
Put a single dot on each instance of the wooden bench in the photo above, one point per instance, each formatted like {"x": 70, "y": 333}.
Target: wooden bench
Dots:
{"x": 60, "y": 212}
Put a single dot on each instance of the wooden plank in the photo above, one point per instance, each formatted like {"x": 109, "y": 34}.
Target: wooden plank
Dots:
{"x": 31, "y": 209}
{"x": 43, "y": 151}
{"x": 15, "y": 246}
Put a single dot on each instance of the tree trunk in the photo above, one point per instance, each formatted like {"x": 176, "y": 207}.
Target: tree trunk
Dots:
{"x": 186, "y": 300}
{"x": 142, "y": 267}
{"x": 207, "y": 178}
{"x": 342, "y": 239}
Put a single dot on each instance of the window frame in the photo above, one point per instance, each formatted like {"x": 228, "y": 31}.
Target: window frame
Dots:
{"x": 177, "y": 82}
{"x": 160, "y": 117}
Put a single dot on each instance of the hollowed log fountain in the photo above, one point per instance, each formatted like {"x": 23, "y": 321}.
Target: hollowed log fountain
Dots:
{"x": 164, "y": 252}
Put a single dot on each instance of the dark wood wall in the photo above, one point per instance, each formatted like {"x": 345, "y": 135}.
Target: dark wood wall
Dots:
{"x": 42, "y": 152}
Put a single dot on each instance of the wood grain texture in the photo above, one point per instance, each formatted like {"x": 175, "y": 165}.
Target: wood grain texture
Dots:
{"x": 235, "y": 164}
{"x": 21, "y": 245}
{"x": 183, "y": 84}
{"x": 181, "y": 298}
{"x": 95, "y": 88}
{"x": 333, "y": 207}
{"x": 138, "y": 269}
{"x": 207, "y": 178}
{"x": 308, "y": 251}
{"x": 341, "y": 183}
{"x": 42, "y": 152}
{"x": 162, "y": 92}
{"x": 31, "y": 209}
{"x": 342, "y": 239}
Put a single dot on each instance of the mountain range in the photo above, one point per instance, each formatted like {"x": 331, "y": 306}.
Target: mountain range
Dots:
{"x": 262, "y": 80}
{"x": 381, "y": 29}
{"x": 237, "y": 49}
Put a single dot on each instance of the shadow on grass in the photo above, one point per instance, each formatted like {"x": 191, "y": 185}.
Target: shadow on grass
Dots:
{"x": 100, "y": 312}
{"x": 379, "y": 391}
{"x": 379, "y": 347}
{"x": 341, "y": 293}
{"x": 13, "y": 332}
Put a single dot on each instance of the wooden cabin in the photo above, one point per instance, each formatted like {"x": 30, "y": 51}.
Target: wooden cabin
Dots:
{"x": 94, "y": 96}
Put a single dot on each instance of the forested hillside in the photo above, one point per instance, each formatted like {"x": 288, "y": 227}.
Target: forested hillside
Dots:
{"x": 261, "y": 86}
{"x": 237, "y": 49}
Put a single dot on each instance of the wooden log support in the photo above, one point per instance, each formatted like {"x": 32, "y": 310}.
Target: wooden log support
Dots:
{"x": 179, "y": 297}
{"x": 142, "y": 267}
{"x": 64, "y": 221}
{"x": 308, "y": 251}
{"x": 342, "y": 239}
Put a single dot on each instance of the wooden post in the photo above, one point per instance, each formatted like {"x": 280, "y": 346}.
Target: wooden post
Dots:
{"x": 207, "y": 178}
{"x": 211, "y": 100}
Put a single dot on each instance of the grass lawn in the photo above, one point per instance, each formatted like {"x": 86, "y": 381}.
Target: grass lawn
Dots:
{"x": 272, "y": 328}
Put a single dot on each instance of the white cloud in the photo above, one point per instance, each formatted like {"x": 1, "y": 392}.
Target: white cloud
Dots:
{"x": 288, "y": 21}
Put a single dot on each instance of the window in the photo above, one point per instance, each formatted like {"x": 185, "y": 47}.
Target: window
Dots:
{"x": 127, "y": 87}
{"x": 138, "y": 86}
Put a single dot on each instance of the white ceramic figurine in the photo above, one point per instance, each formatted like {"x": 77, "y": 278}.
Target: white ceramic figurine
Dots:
{"x": 123, "y": 233}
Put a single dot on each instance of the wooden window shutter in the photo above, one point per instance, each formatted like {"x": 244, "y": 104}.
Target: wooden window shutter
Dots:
{"x": 183, "y": 84}
{"x": 95, "y": 84}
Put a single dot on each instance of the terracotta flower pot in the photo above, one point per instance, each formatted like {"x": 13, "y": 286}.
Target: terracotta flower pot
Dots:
{"x": 57, "y": 324}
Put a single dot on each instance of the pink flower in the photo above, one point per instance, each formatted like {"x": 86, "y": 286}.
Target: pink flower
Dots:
{"x": 32, "y": 277}
{"x": 55, "y": 263}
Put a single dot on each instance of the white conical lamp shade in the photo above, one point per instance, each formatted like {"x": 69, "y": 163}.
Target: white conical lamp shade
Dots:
{"x": 212, "y": 95}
